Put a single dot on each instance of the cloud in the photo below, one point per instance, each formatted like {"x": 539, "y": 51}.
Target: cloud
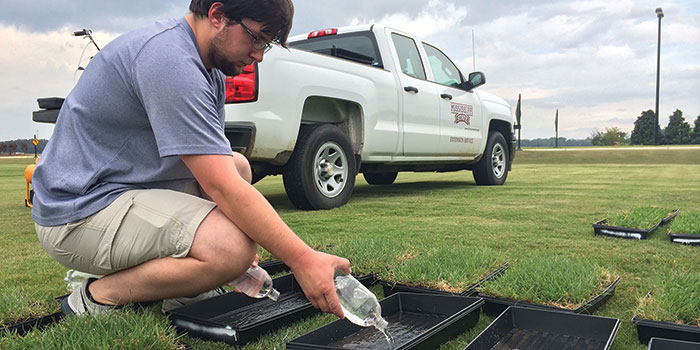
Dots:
{"x": 595, "y": 60}
{"x": 111, "y": 16}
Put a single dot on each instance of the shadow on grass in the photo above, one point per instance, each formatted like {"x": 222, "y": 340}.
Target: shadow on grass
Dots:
{"x": 364, "y": 192}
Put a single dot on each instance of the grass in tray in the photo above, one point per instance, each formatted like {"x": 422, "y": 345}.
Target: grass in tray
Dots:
{"x": 642, "y": 218}
{"x": 452, "y": 268}
{"x": 687, "y": 222}
{"x": 675, "y": 298}
{"x": 557, "y": 281}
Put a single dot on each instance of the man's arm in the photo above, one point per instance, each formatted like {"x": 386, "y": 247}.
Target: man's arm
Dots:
{"x": 251, "y": 212}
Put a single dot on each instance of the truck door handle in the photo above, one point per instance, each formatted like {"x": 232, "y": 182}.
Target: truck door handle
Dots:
{"x": 410, "y": 89}
{"x": 446, "y": 96}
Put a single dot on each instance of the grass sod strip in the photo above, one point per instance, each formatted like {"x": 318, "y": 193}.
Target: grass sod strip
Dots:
{"x": 642, "y": 218}
{"x": 686, "y": 223}
{"x": 554, "y": 281}
{"x": 675, "y": 298}
{"x": 19, "y": 304}
{"x": 452, "y": 268}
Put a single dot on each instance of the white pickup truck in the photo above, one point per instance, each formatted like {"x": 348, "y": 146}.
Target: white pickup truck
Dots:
{"x": 367, "y": 99}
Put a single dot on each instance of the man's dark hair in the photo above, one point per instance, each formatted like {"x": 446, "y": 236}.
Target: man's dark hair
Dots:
{"x": 275, "y": 15}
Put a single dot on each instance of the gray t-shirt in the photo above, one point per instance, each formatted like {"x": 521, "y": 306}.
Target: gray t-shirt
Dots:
{"x": 142, "y": 101}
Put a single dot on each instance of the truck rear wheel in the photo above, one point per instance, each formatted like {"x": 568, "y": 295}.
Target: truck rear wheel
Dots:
{"x": 380, "y": 178}
{"x": 492, "y": 169}
{"x": 321, "y": 172}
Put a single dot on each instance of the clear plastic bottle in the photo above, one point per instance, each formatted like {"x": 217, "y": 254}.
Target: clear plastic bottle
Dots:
{"x": 256, "y": 283}
{"x": 359, "y": 304}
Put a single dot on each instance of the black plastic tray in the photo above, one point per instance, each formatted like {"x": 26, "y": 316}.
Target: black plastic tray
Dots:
{"x": 682, "y": 238}
{"x": 45, "y": 116}
{"x": 416, "y": 321}
{"x": 38, "y": 323}
{"x": 527, "y": 328}
{"x": 238, "y": 319}
{"x": 495, "y": 306}
{"x": 601, "y": 229}
{"x": 671, "y": 344}
{"x": 391, "y": 287}
{"x": 647, "y": 329}
{"x": 35, "y": 323}
{"x": 273, "y": 267}
{"x": 50, "y": 102}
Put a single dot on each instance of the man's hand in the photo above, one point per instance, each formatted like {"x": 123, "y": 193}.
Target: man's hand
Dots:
{"x": 315, "y": 272}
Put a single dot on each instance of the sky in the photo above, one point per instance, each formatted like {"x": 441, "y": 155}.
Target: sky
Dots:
{"x": 594, "y": 61}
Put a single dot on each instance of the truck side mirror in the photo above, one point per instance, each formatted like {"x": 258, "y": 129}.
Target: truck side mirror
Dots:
{"x": 475, "y": 79}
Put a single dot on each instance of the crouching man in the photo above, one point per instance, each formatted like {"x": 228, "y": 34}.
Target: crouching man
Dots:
{"x": 139, "y": 144}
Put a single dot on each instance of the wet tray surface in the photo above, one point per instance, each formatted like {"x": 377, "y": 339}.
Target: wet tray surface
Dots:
{"x": 416, "y": 321}
{"x": 525, "y": 328}
{"x": 238, "y": 319}
{"x": 402, "y": 327}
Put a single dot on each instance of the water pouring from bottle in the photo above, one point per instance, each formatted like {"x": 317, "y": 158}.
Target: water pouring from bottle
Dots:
{"x": 360, "y": 305}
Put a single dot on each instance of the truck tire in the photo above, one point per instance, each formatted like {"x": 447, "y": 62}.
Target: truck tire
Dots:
{"x": 380, "y": 178}
{"x": 321, "y": 171}
{"x": 492, "y": 169}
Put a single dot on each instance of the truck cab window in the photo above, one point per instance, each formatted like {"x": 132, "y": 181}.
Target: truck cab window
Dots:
{"x": 408, "y": 55}
{"x": 444, "y": 71}
{"x": 360, "y": 47}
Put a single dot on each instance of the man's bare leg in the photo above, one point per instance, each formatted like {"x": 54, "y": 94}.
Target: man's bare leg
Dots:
{"x": 220, "y": 253}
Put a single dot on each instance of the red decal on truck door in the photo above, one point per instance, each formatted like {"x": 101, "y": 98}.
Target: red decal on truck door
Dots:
{"x": 463, "y": 113}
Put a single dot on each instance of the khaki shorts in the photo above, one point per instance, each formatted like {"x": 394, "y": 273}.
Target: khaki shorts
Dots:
{"x": 138, "y": 226}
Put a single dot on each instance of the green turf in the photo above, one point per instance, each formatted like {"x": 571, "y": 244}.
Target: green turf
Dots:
{"x": 555, "y": 281}
{"x": 675, "y": 298}
{"x": 643, "y": 218}
{"x": 687, "y": 222}
{"x": 425, "y": 229}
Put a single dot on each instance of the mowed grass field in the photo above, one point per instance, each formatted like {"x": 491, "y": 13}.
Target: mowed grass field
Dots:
{"x": 429, "y": 229}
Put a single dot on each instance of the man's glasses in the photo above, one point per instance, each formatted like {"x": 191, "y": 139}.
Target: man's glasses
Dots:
{"x": 257, "y": 42}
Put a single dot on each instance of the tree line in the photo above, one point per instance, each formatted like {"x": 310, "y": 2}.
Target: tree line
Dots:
{"x": 23, "y": 146}
{"x": 677, "y": 132}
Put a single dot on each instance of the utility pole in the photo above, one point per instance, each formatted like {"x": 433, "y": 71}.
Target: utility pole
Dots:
{"x": 660, "y": 15}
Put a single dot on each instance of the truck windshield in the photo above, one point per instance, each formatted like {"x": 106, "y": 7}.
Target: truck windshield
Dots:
{"x": 360, "y": 47}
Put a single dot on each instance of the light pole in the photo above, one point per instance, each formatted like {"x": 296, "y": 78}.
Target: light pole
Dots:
{"x": 660, "y": 14}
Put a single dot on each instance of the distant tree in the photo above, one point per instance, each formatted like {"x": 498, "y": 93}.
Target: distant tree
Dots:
{"x": 678, "y": 130}
{"x": 12, "y": 147}
{"x": 3, "y": 148}
{"x": 24, "y": 147}
{"x": 694, "y": 137}
{"x": 643, "y": 133}
{"x": 611, "y": 137}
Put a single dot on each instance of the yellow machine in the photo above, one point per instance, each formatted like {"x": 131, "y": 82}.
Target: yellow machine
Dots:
{"x": 28, "y": 172}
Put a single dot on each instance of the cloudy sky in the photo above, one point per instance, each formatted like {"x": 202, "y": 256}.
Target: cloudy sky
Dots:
{"x": 593, "y": 60}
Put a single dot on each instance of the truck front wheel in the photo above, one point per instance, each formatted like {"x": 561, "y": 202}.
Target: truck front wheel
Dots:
{"x": 321, "y": 172}
{"x": 492, "y": 169}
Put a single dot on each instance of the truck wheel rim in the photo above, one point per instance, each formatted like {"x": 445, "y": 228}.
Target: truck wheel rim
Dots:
{"x": 498, "y": 160}
{"x": 330, "y": 169}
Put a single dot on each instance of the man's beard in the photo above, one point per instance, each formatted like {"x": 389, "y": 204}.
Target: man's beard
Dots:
{"x": 217, "y": 60}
